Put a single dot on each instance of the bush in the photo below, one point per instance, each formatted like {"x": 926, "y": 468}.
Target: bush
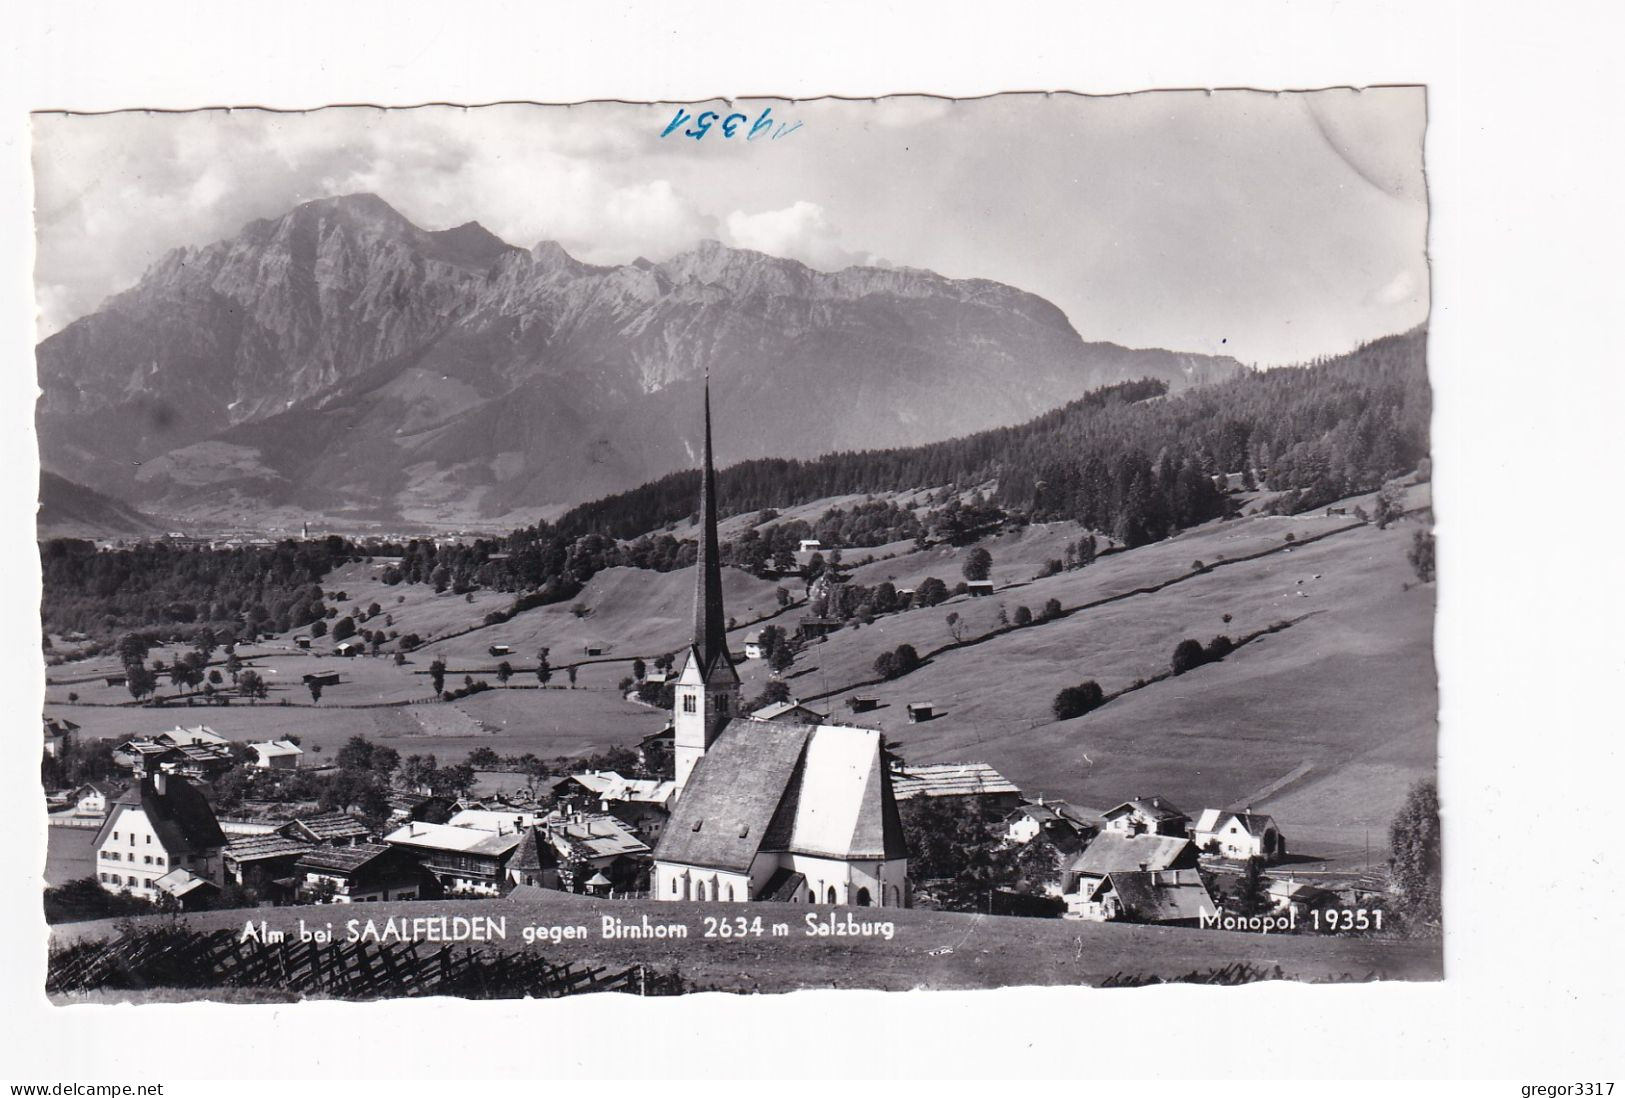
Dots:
{"x": 900, "y": 661}
{"x": 978, "y": 564}
{"x": 1188, "y": 656}
{"x": 1075, "y": 701}
{"x": 1024, "y": 616}
{"x": 1219, "y": 647}
{"x": 1052, "y": 609}
{"x": 907, "y": 659}
{"x": 1421, "y": 556}
{"x": 85, "y": 898}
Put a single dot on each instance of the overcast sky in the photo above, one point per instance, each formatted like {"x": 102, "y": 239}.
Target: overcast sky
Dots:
{"x": 1274, "y": 227}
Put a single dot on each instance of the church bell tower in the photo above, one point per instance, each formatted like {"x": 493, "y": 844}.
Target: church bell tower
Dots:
{"x": 707, "y": 693}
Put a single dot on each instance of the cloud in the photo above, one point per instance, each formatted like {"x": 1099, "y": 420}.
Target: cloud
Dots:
{"x": 117, "y": 192}
{"x": 800, "y": 231}
{"x": 1399, "y": 290}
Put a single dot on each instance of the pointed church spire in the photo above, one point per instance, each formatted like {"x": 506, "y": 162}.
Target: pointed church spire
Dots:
{"x": 710, "y": 633}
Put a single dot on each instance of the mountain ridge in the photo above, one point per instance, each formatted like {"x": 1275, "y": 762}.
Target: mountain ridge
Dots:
{"x": 339, "y": 360}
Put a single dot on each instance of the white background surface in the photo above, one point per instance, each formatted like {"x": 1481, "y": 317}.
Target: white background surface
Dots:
{"x": 1523, "y": 166}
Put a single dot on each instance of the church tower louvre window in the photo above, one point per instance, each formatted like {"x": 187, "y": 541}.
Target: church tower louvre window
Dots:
{"x": 708, "y": 687}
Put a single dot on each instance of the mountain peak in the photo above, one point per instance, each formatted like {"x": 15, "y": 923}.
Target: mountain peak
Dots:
{"x": 550, "y": 255}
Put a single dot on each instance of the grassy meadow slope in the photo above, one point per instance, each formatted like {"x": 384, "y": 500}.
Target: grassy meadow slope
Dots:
{"x": 1324, "y": 722}
{"x": 1346, "y": 690}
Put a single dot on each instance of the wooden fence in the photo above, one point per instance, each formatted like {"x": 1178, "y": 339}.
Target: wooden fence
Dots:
{"x": 175, "y": 957}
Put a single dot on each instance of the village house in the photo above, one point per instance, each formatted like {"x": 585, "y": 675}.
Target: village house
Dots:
{"x": 57, "y": 732}
{"x": 1298, "y": 898}
{"x": 265, "y": 864}
{"x": 765, "y": 810}
{"x": 979, "y": 588}
{"x": 789, "y": 712}
{"x": 813, "y": 627}
{"x": 348, "y": 648}
{"x": 1147, "y": 816}
{"x": 328, "y": 829}
{"x": 160, "y": 823}
{"x": 499, "y": 819}
{"x": 919, "y": 712}
{"x": 466, "y": 861}
{"x": 186, "y": 890}
{"x": 92, "y": 798}
{"x": 276, "y": 755}
{"x": 1168, "y": 897}
{"x": 363, "y": 873}
{"x": 656, "y": 748}
{"x": 200, "y": 735}
{"x": 643, "y": 804}
{"x": 1117, "y": 852}
{"x": 1030, "y": 820}
{"x": 753, "y": 646}
{"x": 301, "y": 640}
{"x": 1239, "y": 835}
{"x": 597, "y": 853}
{"x": 496, "y": 650}
{"x": 862, "y": 703}
{"x": 199, "y": 752}
{"x": 320, "y": 678}
{"x": 979, "y": 780}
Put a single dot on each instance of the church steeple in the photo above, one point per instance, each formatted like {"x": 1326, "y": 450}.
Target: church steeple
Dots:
{"x": 707, "y": 693}
{"x": 710, "y": 632}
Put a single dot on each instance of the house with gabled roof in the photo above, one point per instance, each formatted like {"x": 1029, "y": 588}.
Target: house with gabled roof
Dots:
{"x": 1167, "y": 897}
{"x": 197, "y": 735}
{"x": 328, "y": 829}
{"x": 363, "y": 873}
{"x": 160, "y": 823}
{"x": 1028, "y": 821}
{"x": 973, "y": 779}
{"x": 466, "y": 861}
{"x": 597, "y": 845}
{"x": 57, "y": 732}
{"x": 791, "y": 712}
{"x": 1239, "y": 835}
{"x": 276, "y": 754}
{"x": 94, "y": 797}
{"x": 1154, "y": 815}
{"x": 264, "y": 864}
{"x": 1117, "y": 852}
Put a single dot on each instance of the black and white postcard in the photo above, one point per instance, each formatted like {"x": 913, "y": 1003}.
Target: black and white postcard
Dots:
{"x": 737, "y": 546}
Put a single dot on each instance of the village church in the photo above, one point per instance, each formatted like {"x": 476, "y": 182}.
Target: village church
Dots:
{"x": 802, "y": 813}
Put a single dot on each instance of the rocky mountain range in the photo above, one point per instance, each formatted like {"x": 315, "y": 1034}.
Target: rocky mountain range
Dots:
{"x": 341, "y": 363}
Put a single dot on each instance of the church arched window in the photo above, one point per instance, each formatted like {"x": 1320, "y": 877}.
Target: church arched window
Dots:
{"x": 690, "y": 705}
{"x": 730, "y": 896}
{"x": 831, "y": 894}
{"x": 863, "y": 897}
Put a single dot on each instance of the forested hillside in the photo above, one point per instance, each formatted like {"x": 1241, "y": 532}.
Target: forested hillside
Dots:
{"x": 1123, "y": 459}
{"x": 1129, "y": 461}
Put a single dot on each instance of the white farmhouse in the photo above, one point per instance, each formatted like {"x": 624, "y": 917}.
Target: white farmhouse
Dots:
{"x": 1239, "y": 835}
{"x": 276, "y": 754}
{"x": 160, "y": 824}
